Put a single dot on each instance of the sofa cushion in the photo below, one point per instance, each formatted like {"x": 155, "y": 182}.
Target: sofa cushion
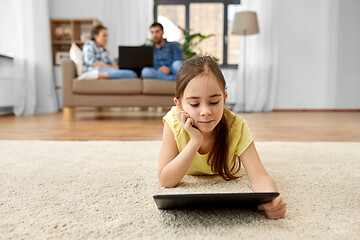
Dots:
{"x": 108, "y": 87}
{"x": 158, "y": 87}
{"x": 76, "y": 56}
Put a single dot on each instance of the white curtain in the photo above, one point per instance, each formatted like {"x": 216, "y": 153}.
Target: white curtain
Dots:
{"x": 35, "y": 89}
{"x": 261, "y": 60}
{"x": 128, "y": 22}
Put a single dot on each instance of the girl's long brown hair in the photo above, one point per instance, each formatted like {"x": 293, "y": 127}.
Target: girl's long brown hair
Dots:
{"x": 220, "y": 163}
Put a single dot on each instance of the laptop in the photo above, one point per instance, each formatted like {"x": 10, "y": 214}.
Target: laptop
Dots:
{"x": 135, "y": 58}
{"x": 213, "y": 200}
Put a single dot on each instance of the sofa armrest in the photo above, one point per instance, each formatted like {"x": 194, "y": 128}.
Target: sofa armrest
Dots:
{"x": 68, "y": 75}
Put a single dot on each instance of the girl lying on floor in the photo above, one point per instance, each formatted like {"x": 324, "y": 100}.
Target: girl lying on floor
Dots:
{"x": 201, "y": 137}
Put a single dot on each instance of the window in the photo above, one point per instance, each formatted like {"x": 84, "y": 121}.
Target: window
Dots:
{"x": 172, "y": 16}
{"x": 233, "y": 40}
{"x": 205, "y": 17}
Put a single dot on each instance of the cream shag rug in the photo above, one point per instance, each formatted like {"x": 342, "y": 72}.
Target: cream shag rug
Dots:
{"x": 104, "y": 189}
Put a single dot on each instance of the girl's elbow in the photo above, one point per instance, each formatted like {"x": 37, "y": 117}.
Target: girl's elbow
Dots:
{"x": 166, "y": 183}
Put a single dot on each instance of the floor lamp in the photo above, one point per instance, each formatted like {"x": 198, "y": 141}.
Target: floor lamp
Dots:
{"x": 245, "y": 23}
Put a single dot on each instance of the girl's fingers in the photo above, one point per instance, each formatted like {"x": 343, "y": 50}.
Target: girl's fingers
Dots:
{"x": 276, "y": 217}
{"x": 179, "y": 113}
{"x": 182, "y": 116}
{"x": 274, "y": 209}
{"x": 188, "y": 123}
{"x": 271, "y": 205}
{"x": 185, "y": 120}
{"x": 277, "y": 214}
{"x": 277, "y": 211}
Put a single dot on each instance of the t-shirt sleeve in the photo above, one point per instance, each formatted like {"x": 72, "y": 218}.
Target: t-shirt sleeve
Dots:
{"x": 242, "y": 136}
{"x": 180, "y": 136}
{"x": 171, "y": 119}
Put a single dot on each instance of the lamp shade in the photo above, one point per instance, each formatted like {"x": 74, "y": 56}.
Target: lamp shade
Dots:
{"x": 245, "y": 23}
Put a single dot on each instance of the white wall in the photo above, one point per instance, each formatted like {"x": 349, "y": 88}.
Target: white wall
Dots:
{"x": 302, "y": 54}
{"x": 7, "y": 83}
{"x": 7, "y": 30}
{"x": 348, "y": 55}
{"x": 319, "y": 54}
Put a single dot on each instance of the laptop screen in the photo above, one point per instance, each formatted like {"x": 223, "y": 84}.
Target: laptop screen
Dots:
{"x": 135, "y": 58}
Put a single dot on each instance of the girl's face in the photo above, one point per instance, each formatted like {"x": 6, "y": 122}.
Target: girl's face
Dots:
{"x": 204, "y": 101}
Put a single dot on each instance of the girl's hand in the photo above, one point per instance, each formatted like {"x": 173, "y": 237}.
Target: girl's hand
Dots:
{"x": 187, "y": 123}
{"x": 275, "y": 209}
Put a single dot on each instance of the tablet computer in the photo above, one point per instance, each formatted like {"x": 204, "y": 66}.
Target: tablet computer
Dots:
{"x": 213, "y": 200}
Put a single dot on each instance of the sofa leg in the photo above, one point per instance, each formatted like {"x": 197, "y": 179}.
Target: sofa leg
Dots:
{"x": 69, "y": 113}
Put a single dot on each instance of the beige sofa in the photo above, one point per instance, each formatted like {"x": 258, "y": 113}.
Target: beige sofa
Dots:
{"x": 112, "y": 93}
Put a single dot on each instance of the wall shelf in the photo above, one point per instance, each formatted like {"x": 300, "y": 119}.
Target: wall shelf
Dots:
{"x": 66, "y": 31}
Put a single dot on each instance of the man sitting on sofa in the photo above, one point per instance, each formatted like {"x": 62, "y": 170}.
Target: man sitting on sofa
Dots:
{"x": 168, "y": 56}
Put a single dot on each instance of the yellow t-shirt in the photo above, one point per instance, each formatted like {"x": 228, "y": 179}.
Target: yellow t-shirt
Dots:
{"x": 240, "y": 138}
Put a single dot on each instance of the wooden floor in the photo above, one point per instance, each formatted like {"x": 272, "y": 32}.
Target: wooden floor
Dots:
{"x": 147, "y": 125}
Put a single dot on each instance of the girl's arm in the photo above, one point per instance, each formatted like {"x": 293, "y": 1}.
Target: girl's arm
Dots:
{"x": 259, "y": 178}
{"x": 172, "y": 164}
{"x": 262, "y": 182}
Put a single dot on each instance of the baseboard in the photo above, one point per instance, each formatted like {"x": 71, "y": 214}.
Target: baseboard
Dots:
{"x": 6, "y": 110}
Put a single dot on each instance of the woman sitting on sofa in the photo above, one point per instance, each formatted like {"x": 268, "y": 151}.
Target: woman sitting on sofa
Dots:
{"x": 97, "y": 62}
